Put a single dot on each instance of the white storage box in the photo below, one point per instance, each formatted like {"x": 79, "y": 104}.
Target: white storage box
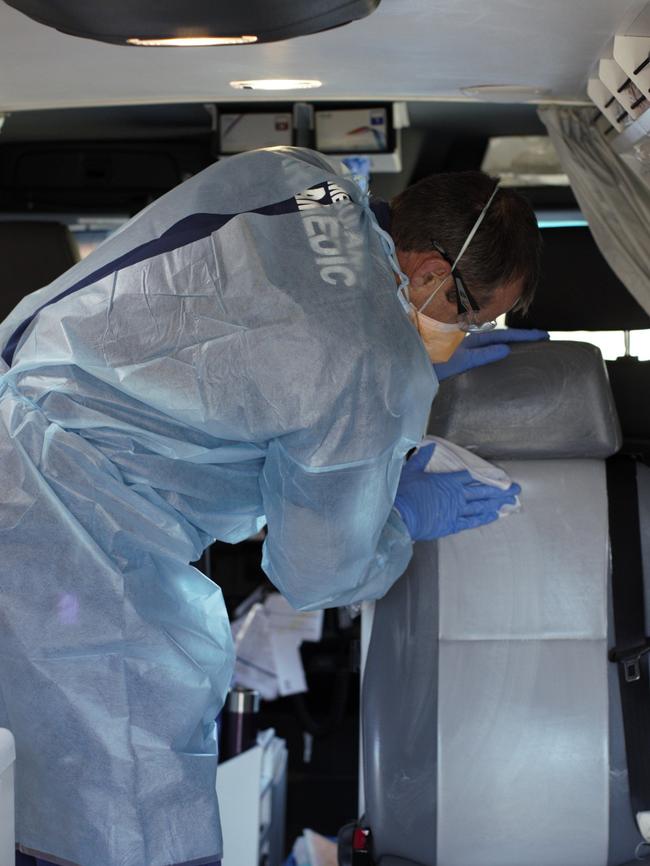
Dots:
{"x": 7, "y": 837}
{"x": 252, "y": 793}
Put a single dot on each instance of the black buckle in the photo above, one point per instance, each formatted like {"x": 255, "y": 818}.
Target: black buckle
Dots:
{"x": 631, "y": 660}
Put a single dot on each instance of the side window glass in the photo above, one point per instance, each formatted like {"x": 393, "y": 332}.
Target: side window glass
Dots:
{"x": 610, "y": 343}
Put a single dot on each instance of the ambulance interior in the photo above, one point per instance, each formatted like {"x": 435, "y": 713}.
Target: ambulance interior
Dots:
{"x": 489, "y": 727}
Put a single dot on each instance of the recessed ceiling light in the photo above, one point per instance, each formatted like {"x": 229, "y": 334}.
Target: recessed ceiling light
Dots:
{"x": 276, "y": 84}
{"x": 506, "y": 92}
{"x": 193, "y": 41}
{"x": 161, "y": 22}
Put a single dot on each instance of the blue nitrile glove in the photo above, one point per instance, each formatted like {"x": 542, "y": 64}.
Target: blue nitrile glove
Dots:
{"x": 434, "y": 504}
{"x": 479, "y": 349}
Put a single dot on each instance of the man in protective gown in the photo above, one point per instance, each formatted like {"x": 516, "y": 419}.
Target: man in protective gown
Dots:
{"x": 236, "y": 356}
{"x": 206, "y": 371}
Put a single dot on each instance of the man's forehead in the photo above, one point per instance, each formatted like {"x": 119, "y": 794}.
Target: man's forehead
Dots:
{"x": 504, "y": 298}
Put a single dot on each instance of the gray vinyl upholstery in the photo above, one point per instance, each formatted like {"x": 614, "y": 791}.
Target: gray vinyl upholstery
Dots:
{"x": 491, "y": 718}
{"x": 546, "y": 401}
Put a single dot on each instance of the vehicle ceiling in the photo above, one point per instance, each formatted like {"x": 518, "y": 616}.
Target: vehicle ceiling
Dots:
{"x": 407, "y": 49}
{"x": 148, "y": 104}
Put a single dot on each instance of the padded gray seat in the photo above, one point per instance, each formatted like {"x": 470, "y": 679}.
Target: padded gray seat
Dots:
{"x": 579, "y": 291}
{"x": 491, "y": 715}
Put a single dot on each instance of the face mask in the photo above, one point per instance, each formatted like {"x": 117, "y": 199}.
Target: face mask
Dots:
{"x": 440, "y": 339}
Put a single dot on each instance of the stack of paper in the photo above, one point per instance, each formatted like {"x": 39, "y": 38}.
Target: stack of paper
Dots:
{"x": 267, "y": 639}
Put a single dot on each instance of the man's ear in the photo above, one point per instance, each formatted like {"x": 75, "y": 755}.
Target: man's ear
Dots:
{"x": 431, "y": 267}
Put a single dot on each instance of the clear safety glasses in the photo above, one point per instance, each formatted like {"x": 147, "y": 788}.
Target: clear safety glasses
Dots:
{"x": 468, "y": 307}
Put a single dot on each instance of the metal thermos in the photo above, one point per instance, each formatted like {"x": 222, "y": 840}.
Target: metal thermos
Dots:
{"x": 239, "y": 722}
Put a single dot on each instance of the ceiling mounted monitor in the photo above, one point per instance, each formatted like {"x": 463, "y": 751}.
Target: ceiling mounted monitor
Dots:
{"x": 193, "y": 23}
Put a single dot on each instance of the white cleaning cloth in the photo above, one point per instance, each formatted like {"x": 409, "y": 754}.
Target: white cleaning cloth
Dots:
{"x": 448, "y": 457}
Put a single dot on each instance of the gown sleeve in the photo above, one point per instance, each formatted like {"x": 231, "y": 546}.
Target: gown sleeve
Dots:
{"x": 334, "y": 537}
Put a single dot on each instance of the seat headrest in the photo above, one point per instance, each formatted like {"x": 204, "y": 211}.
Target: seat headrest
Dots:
{"x": 545, "y": 400}
{"x": 578, "y": 291}
{"x": 32, "y": 253}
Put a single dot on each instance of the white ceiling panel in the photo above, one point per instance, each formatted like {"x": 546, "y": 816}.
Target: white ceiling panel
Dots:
{"x": 408, "y": 49}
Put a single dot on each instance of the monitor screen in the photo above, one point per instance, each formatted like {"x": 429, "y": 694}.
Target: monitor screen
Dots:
{"x": 353, "y": 130}
{"x": 248, "y": 131}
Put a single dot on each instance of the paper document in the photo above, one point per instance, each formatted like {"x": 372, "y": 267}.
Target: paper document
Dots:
{"x": 312, "y": 849}
{"x": 267, "y": 642}
{"x": 254, "y": 666}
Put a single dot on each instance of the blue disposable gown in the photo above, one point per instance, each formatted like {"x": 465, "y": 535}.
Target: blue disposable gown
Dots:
{"x": 236, "y": 355}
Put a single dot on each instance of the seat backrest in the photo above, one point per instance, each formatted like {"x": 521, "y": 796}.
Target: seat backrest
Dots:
{"x": 486, "y": 695}
{"x": 33, "y": 253}
{"x": 630, "y": 382}
{"x": 578, "y": 291}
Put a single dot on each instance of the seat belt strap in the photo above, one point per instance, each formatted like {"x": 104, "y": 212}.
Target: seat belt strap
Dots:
{"x": 632, "y": 646}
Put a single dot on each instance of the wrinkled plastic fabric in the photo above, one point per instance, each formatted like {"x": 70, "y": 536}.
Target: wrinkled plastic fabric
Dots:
{"x": 614, "y": 197}
{"x": 263, "y": 371}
